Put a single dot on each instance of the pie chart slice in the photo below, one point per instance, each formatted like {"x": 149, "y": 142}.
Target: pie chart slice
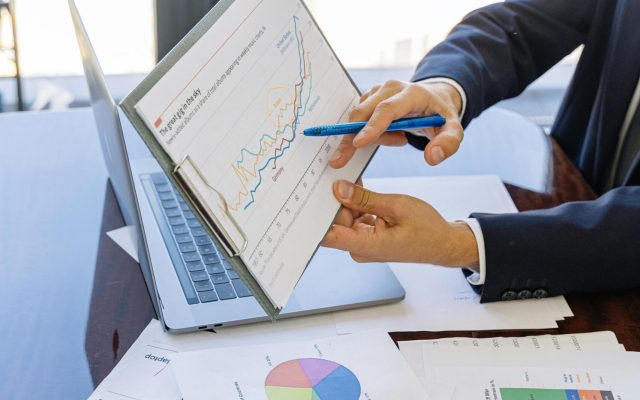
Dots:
{"x": 312, "y": 379}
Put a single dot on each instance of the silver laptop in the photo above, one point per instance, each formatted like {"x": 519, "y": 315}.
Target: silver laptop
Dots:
{"x": 190, "y": 282}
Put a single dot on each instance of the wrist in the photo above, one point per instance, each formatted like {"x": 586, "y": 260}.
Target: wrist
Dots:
{"x": 465, "y": 246}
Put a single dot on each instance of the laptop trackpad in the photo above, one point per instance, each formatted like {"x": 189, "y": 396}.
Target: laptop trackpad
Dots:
{"x": 333, "y": 280}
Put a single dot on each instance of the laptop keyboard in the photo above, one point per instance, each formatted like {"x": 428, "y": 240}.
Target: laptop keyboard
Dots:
{"x": 204, "y": 273}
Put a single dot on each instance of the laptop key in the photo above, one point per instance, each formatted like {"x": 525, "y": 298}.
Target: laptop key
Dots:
{"x": 162, "y": 188}
{"x": 206, "y": 249}
{"x": 211, "y": 259}
{"x": 198, "y": 232}
{"x": 232, "y": 274}
{"x": 241, "y": 289}
{"x": 194, "y": 266}
{"x": 208, "y": 296}
{"x": 184, "y": 206}
{"x": 199, "y": 276}
{"x": 193, "y": 256}
{"x": 194, "y": 223}
{"x": 203, "y": 286}
{"x": 176, "y": 220}
{"x": 227, "y": 266}
{"x": 169, "y": 204}
{"x": 172, "y": 212}
{"x": 219, "y": 278}
{"x": 158, "y": 178}
{"x": 202, "y": 240}
{"x": 215, "y": 269}
{"x": 165, "y": 196}
{"x": 183, "y": 238}
{"x": 179, "y": 229}
{"x": 189, "y": 215}
{"x": 225, "y": 291}
{"x": 187, "y": 247}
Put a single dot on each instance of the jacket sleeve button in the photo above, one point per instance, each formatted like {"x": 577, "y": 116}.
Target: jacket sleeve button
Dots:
{"x": 524, "y": 294}
{"x": 540, "y": 293}
{"x": 509, "y": 295}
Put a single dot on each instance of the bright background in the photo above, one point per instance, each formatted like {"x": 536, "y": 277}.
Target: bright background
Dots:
{"x": 375, "y": 40}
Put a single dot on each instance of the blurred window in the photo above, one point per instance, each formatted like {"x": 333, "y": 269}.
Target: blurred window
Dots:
{"x": 121, "y": 31}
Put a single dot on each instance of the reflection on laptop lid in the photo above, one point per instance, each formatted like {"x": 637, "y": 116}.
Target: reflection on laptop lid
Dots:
{"x": 105, "y": 112}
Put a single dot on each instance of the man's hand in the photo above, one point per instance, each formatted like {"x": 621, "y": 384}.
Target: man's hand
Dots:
{"x": 389, "y": 227}
{"x": 393, "y": 100}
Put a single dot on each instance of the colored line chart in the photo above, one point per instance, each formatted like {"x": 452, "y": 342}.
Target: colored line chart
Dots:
{"x": 271, "y": 146}
{"x": 312, "y": 379}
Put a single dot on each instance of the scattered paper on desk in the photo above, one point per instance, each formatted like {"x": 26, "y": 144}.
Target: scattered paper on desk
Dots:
{"x": 413, "y": 350}
{"x": 127, "y": 239}
{"x": 363, "y": 366}
{"x": 144, "y": 372}
{"x": 485, "y": 373}
{"x": 439, "y": 298}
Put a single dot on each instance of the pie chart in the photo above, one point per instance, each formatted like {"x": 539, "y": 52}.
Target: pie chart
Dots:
{"x": 312, "y": 379}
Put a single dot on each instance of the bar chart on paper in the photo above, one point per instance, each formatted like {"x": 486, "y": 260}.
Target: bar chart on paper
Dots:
{"x": 553, "y": 394}
{"x": 240, "y": 119}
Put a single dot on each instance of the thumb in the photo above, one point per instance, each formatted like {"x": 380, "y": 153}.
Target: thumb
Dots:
{"x": 357, "y": 198}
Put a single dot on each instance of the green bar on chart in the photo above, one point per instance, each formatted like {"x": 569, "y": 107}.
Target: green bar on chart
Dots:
{"x": 535, "y": 394}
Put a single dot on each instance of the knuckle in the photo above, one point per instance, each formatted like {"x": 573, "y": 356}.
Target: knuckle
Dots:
{"x": 393, "y": 83}
{"x": 415, "y": 88}
{"x": 363, "y": 199}
{"x": 386, "y": 106}
{"x": 357, "y": 113}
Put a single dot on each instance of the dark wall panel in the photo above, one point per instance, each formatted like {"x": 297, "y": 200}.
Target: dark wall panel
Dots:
{"x": 174, "y": 18}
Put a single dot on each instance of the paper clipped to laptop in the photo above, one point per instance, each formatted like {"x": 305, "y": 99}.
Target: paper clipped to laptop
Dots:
{"x": 224, "y": 113}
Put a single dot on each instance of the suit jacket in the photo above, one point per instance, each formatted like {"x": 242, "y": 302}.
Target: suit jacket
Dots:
{"x": 494, "y": 53}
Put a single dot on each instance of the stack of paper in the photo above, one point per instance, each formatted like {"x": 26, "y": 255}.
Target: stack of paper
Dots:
{"x": 552, "y": 367}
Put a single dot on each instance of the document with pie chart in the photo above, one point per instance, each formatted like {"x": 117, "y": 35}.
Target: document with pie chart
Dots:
{"x": 363, "y": 366}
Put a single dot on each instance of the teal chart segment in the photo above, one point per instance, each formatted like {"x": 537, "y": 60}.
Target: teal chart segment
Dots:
{"x": 312, "y": 379}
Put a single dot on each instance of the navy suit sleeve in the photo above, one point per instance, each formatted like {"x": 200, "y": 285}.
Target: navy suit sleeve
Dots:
{"x": 576, "y": 247}
{"x": 496, "y": 51}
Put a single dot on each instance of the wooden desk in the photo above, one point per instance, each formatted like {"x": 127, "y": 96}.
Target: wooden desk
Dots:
{"x": 72, "y": 302}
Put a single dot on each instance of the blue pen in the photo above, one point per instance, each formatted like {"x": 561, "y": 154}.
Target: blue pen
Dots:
{"x": 397, "y": 125}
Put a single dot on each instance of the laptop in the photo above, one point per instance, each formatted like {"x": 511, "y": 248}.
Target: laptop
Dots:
{"x": 189, "y": 280}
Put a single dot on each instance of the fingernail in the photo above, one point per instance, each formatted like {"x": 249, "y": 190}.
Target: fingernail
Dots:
{"x": 336, "y": 156}
{"x": 437, "y": 155}
{"x": 345, "y": 189}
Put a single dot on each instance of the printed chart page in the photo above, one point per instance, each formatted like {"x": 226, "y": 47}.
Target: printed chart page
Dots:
{"x": 236, "y": 104}
{"x": 485, "y": 374}
{"x": 365, "y": 366}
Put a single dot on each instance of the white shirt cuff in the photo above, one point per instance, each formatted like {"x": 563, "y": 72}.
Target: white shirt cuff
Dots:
{"x": 456, "y": 85}
{"x": 477, "y": 278}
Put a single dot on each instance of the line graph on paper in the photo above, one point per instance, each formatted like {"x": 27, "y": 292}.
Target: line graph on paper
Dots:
{"x": 285, "y": 117}
{"x": 296, "y": 82}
